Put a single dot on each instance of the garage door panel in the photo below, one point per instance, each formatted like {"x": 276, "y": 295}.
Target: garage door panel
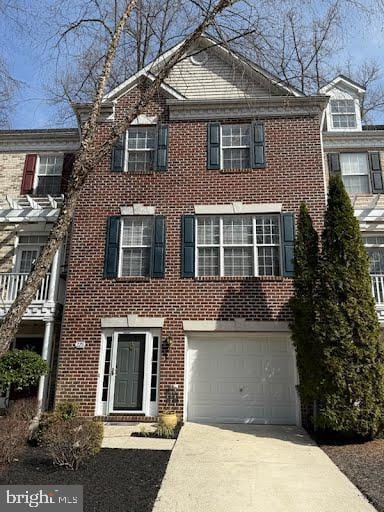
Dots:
{"x": 247, "y": 381}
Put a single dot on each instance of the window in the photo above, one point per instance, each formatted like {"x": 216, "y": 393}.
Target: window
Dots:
{"x": 107, "y": 367}
{"x": 235, "y": 141}
{"x": 355, "y": 172}
{"x": 136, "y": 243}
{"x": 141, "y": 148}
{"x": 238, "y": 245}
{"x": 28, "y": 249}
{"x": 375, "y": 248}
{"x": 48, "y": 180}
{"x": 343, "y": 113}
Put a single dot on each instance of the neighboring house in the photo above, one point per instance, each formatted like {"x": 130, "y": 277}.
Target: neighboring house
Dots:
{"x": 181, "y": 254}
{"x": 356, "y": 153}
{"x": 34, "y": 169}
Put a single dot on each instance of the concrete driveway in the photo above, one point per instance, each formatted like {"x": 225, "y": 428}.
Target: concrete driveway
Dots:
{"x": 240, "y": 468}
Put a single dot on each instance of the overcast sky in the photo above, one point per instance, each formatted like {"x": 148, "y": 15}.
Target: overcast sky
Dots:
{"x": 34, "y": 65}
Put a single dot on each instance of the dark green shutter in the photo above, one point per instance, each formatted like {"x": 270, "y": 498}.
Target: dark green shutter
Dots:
{"x": 112, "y": 247}
{"x": 376, "y": 174}
{"x": 288, "y": 241}
{"x": 257, "y": 145}
{"x": 118, "y": 151}
{"x": 334, "y": 164}
{"x": 188, "y": 246}
{"x": 158, "y": 260}
{"x": 213, "y": 153}
{"x": 162, "y": 148}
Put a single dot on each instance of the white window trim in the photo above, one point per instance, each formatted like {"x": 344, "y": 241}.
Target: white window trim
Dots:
{"x": 348, "y": 175}
{"x": 144, "y": 150}
{"x": 20, "y": 246}
{"x": 121, "y": 247}
{"x": 222, "y": 246}
{"x": 37, "y": 175}
{"x": 222, "y": 147}
{"x": 149, "y": 408}
{"x": 330, "y": 127}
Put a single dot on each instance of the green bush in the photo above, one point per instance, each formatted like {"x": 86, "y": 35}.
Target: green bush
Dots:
{"x": 71, "y": 442}
{"x": 21, "y": 369}
{"x": 347, "y": 330}
{"x": 67, "y": 410}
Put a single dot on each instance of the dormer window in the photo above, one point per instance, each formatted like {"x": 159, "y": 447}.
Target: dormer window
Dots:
{"x": 343, "y": 114}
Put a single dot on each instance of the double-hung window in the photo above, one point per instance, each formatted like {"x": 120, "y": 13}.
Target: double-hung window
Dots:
{"x": 135, "y": 247}
{"x": 140, "y": 148}
{"x": 48, "y": 176}
{"x": 28, "y": 250}
{"x": 237, "y": 245}
{"x": 355, "y": 172}
{"x": 235, "y": 144}
{"x": 343, "y": 114}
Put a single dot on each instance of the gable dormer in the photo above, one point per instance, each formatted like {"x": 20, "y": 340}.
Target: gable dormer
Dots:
{"x": 343, "y": 113}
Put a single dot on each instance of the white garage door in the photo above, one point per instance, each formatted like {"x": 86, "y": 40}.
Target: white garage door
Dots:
{"x": 241, "y": 380}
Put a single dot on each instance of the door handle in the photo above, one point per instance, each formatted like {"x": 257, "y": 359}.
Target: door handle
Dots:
{"x": 241, "y": 390}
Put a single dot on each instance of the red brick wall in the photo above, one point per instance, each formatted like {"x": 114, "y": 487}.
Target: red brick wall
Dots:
{"x": 293, "y": 174}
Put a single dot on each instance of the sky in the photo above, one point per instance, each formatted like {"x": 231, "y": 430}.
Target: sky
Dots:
{"x": 31, "y": 59}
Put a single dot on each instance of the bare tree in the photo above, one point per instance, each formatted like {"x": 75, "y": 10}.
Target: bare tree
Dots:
{"x": 91, "y": 152}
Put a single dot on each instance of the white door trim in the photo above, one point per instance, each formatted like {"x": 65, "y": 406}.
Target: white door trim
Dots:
{"x": 147, "y": 373}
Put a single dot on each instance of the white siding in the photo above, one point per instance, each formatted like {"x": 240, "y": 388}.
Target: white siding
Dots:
{"x": 214, "y": 79}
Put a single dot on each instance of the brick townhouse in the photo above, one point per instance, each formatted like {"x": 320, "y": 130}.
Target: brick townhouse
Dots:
{"x": 181, "y": 252}
{"x": 34, "y": 169}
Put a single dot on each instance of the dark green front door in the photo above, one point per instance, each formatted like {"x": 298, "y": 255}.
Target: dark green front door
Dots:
{"x": 129, "y": 374}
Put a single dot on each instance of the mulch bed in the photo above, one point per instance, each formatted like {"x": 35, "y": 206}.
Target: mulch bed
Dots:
{"x": 114, "y": 480}
{"x": 363, "y": 464}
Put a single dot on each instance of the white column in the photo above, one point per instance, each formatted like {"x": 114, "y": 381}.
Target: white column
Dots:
{"x": 55, "y": 276}
{"x": 46, "y": 355}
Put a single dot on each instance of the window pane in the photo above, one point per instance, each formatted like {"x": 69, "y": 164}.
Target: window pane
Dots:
{"x": 376, "y": 255}
{"x": 208, "y": 261}
{"x": 342, "y": 106}
{"x": 137, "y": 231}
{"x": 26, "y": 260}
{"x": 238, "y": 261}
{"x": 354, "y": 163}
{"x": 236, "y": 158}
{"x": 50, "y": 165}
{"x": 237, "y": 230}
{"x": 344, "y": 120}
{"x": 356, "y": 184}
{"x": 135, "y": 262}
{"x": 234, "y": 135}
{"x": 141, "y": 138}
{"x": 268, "y": 261}
{"x": 48, "y": 185}
{"x": 267, "y": 231}
{"x": 208, "y": 231}
{"x": 140, "y": 160}
{"x": 373, "y": 240}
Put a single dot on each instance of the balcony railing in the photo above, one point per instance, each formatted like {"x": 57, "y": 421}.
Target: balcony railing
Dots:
{"x": 11, "y": 283}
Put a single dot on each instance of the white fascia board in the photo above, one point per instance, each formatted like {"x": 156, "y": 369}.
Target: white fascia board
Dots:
{"x": 236, "y": 325}
{"x": 120, "y": 89}
{"x": 236, "y": 208}
{"x": 339, "y": 79}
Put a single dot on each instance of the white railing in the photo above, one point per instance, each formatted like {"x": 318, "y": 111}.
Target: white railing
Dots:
{"x": 11, "y": 283}
{"x": 378, "y": 288}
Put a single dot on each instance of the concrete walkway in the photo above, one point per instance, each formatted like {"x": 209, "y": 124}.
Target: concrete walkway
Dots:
{"x": 240, "y": 468}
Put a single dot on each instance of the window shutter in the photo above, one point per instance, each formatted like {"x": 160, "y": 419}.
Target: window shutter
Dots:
{"x": 118, "y": 152}
{"x": 334, "y": 164}
{"x": 213, "y": 155}
{"x": 188, "y": 246}
{"x": 112, "y": 247}
{"x": 28, "y": 174}
{"x": 162, "y": 148}
{"x": 158, "y": 261}
{"x": 376, "y": 174}
{"x": 69, "y": 159}
{"x": 288, "y": 241}
{"x": 257, "y": 145}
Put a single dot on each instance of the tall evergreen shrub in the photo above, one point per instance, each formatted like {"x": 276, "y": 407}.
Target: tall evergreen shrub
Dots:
{"x": 349, "y": 342}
